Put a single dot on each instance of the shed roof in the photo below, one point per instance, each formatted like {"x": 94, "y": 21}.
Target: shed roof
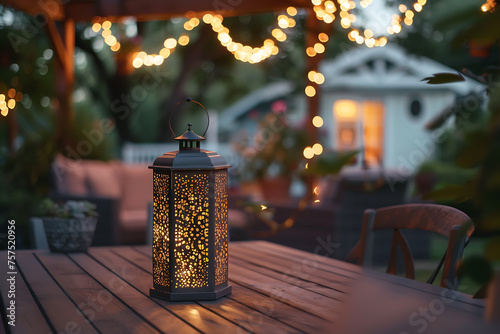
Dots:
{"x": 387, "y": 68}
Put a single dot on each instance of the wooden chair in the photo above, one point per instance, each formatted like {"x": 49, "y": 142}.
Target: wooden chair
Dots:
{"x": 447, "y": 221}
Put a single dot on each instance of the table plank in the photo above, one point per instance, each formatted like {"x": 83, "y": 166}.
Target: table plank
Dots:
{"x": 293, "y": 317}
{"x": 251, "y": 320}
{"x": 160, "y": 318}
{"x": 466, "y": 303}
{"x": 191, "y": 312}
{"x": 29, "y": 317}
{"x": 336, "y": 294}
{"x": 64, "y": 315}
{"x": 301, "y": 268}
{"x": 107, "y": 313}
{"x": 275, "y": 309}
{"x": 290, "y": 294}
{"x": 326, "y": 264}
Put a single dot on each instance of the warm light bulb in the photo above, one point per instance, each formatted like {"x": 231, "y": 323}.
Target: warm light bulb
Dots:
{"x": 170, "y": 43}
{"x": 319, "y": 78}
{"x": 148, "y": 60}
{"x": 317, "y": 148}
{"x": 115, "y": 47}
{"x": 310, "y": 91}
{"x": 96, "y": 27}
{"x": 164, "y": 52}
{"x": 308, "y": 152}
{"x": 184, "y": 40}
{"x": 137, "y": 62}
{"x": 207, "y": 18}
{"x": 310, "y": 52}
{"x": 323, "y": 37}
{"x": 158, "y": 60}
{"x": 106, "y": 25}
{"x": 317, "y": 121}
{"x": 292, "y": 11}
{"x": 11, "y": 103}
{"x": 106, "y": 33}
{"x": 319, "y": 48}
{"x": 11, "y": 93}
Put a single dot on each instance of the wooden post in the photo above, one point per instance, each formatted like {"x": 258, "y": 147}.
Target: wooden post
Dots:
{"x": 65, "y": 77}
{"x": 313, "y": 28}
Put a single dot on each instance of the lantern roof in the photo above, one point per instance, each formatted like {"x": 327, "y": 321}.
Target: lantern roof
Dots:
{"x": 190, "y": 156}
{"x": 190, "y": 135}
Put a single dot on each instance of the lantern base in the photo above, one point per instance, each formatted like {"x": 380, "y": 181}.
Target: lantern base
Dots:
{"x": 190, "y": 296}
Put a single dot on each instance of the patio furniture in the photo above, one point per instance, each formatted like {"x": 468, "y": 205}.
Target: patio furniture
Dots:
{"x": 445, "y": 220}
{"x": 121, "y": 193}
{"x": 276, "y": 289}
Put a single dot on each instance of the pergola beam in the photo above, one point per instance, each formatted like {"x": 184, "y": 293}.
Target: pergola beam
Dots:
{"x": 86, "y": 10}
{"x": 52, "y": 9}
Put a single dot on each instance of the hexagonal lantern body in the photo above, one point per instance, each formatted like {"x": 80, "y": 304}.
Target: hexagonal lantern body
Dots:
{"x": 190, "y": 234}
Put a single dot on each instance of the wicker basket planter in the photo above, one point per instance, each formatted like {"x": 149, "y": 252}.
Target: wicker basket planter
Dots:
{"x": 69, "y": 234}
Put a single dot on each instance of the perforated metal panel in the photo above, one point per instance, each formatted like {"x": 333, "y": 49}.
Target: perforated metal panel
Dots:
{"x": 221, "y": 274}
{"x": 191, "y": 210}
{"x": 161, "y": 191}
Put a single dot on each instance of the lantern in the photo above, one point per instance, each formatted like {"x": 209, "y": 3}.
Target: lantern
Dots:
{"x": 190, "y": 257}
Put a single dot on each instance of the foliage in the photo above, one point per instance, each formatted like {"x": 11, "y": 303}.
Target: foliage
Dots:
{"x": 68, "y": 209}
{"x": 275, "y": 150}
{"x": 330, "y": 162}
{"x": 478, "y": 156}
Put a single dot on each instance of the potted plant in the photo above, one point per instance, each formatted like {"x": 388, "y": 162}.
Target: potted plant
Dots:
{"x": 273, "y": 155}
{"x": 69, "y": 226}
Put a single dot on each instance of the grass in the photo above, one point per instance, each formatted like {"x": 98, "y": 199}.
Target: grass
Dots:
{"x": 423, "y": 269}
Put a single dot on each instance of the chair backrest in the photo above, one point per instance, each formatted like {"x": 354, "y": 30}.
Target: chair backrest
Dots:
{"x": 445, "y": 220}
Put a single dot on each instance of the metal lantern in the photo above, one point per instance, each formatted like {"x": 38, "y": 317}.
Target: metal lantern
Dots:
{"x": 190, "y": 233}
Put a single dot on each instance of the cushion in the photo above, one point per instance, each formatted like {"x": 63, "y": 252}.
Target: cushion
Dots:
{"x": 69, "y": 176}
{"x": 137, "y": 187}
{"x": 103, "y": 178}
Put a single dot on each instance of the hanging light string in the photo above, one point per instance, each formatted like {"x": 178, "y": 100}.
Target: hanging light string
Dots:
{"x": 325, "y": 11}
{"x": 105, "y": 25}
{"x": 244, "y": 53}
{"x": 8, "y": 101}
{"x": 489, "y": 6}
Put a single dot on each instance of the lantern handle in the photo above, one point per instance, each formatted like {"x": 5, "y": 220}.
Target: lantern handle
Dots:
{"x": 188, "y": 100}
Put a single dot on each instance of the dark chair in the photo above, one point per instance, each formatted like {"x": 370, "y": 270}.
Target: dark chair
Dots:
{"x": 447, "y": 221}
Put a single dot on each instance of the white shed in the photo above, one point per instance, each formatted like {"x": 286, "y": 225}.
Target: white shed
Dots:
{"x": 373, "y": 100}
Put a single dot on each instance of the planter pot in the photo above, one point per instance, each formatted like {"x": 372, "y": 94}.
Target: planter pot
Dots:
{"x": 69, "y": 234}
{"x": 276, "y": 190}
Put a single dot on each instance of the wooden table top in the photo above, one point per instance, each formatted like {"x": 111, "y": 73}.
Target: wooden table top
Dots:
{"x": 276, "y": 289}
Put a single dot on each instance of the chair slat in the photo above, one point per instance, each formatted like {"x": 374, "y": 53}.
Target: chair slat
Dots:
{"x": 447, "y": 221}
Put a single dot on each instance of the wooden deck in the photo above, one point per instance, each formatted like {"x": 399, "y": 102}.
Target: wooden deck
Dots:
{"x": 276, "y": 289}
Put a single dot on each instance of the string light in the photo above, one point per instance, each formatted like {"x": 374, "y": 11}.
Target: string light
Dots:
{"x": 109, "y": 38}
{"x": 489, "y": 5}
{"x": 9, "y": 101}
{"x": 317, "y": 121}
{"x": 141, "y": 58}
{"x": 247, "y": 53}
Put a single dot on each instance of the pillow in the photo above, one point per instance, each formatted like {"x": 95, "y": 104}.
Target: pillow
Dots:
{"x": 69, "y": 176}
{"x": 137, "y": 187}
{"x": 103, "y": 178}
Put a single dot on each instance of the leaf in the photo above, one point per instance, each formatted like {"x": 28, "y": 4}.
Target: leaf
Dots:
{"x": 442, "y": 78}
{"x": 492, "y": 250}
{"x": 453, "y": 192}
{"x": 477, "y": 268}
{"x": 330, "y": 163}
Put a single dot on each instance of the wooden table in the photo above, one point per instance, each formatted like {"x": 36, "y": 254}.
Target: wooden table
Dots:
{"x": 276, "y": 289}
